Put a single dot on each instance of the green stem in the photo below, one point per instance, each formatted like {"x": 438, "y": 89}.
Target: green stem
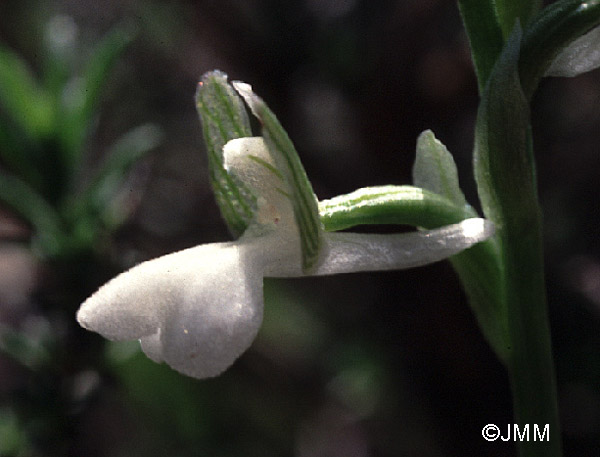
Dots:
{"x": 506, "y": 182}
{"x": 505, "y": 174}
{"x": 530, "y": 363}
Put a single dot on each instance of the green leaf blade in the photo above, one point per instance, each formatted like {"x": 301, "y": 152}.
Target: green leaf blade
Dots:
{"x": 504, "y": 170}
{"x": 22, "y": 98}
{"x": 25, "y": 201}
{"x": 485, "y": 35}
{"x": 85, "y": 95}
{"x": 511, "y": 11}
{"x": 20, "y": 153}
{"x": 121, "y": 157}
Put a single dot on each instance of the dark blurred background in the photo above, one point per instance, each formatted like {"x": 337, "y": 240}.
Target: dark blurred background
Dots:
{"x": 383, "y": 364}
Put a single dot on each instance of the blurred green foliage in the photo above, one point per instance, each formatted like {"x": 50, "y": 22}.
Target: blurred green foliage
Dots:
{"x": 47, "y": 123}
{"x": 45, "y": 126}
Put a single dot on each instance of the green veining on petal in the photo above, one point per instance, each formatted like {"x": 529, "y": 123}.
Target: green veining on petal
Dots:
{"x": 224, "y": 118}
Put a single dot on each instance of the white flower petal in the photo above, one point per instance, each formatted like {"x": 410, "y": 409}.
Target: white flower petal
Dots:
{"x": 218, "y": 317}
{"x": 152, "y": 347}
{"x": 581, "y": 56}
{"x": 353, "y": 252}
{"x": 250, "y": 160}
{"x": 349, "y": 252}
{"x": 196, "y": 309}
{"x": 132, "y": 305}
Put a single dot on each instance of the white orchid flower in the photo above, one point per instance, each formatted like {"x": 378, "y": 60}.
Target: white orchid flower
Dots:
{"x": 199, "y": 309}
{"x": 581, "y": 56}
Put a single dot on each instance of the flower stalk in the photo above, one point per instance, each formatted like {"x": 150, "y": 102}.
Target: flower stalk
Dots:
{"x": 506, "y": 180}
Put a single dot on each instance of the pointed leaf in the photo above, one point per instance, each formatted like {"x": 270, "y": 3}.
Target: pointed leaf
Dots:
{"x": 501, "y": 161}
{"x": 485, "y": 35}
{"x": 435, "y": 170}
{"x": 505, "y": 175}
{"x": 21, "y": 97}
{"x": 122, "y": 156}
{"x": 19, "y": 152}
{"x": 511, "y": 11}
{"x": 288, "y": 163}
{"x": 18, "y": 195}
{"x": 224, "y": 118}
{"x": 84, "y": 96}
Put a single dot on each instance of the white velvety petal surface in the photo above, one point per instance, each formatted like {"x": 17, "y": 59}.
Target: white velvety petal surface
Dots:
{"x": 348, "y": 252}
{"x": 581, "y": 56}
{"x": 197, "y": 309}
{"x": 355, "y": 252}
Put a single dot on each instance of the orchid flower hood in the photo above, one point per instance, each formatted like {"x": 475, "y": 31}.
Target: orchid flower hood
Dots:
{"x": 199, "y": 309}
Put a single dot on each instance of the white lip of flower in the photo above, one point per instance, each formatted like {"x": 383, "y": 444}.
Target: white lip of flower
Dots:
{"x": 199, "y": 309}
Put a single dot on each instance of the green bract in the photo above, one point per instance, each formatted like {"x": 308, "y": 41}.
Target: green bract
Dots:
{"x": 435, "y": 170}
